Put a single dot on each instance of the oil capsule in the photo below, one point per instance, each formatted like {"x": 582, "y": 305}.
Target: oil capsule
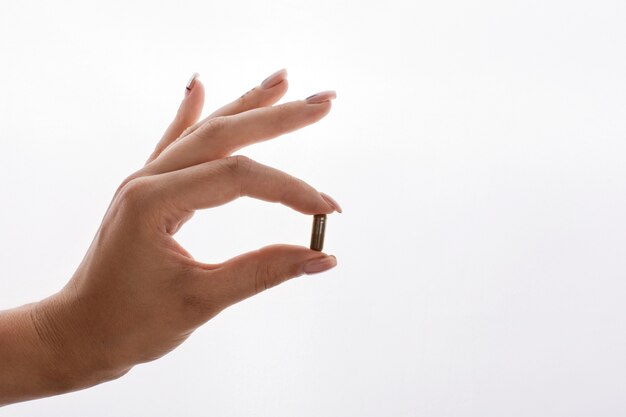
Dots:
{"x": 317, "y": 235}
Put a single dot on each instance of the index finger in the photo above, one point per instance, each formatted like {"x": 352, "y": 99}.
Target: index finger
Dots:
{"x": 218, "y": 182}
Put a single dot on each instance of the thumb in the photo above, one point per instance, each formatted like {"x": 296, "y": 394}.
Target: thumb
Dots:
{"x": 253, "y": 272}
{"x": 187, "y": 115}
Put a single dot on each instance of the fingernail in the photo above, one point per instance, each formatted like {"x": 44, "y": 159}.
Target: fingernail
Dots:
{"x": 321, "y": 97}
{"x": 274, "y": 79}
{"x": 192, "y": 81}
{"x": 331, "y": 202}
{"x": 320, "y": 265}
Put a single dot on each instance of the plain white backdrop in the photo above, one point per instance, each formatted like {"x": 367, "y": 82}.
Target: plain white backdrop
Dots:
{"x": 477, "y": 149}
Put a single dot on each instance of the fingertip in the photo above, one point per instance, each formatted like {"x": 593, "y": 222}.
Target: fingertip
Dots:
{"x": 193, "y": 102}
{"x": 303, "y": 259}
{"x": 196, "y": 89}
{"x": 274, "y": 79}
{"x": 281, "y": 88}
{"x": 319, "y": 110}
{"x": 322, "y": 97}
{"x": 320, "y": 104}
{"x": 293, "y": 254}
{"x": 192, "y": 81}
{"x": 269, "y": 96}
{"x": 312, "y": 205}
{"x": 331, "y": 202}
{"x": 286, "y": 251}
{"x": 321, "y": 264}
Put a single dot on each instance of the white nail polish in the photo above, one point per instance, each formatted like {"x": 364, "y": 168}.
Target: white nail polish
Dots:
{"x": 192, "y": 80}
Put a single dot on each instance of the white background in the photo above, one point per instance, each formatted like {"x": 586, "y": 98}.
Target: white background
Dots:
{"x": 477, "y": 149}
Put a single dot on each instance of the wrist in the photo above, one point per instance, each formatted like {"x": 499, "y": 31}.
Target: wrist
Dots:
{"x": 45, "y": 351}
{"x": 72, "y": 343}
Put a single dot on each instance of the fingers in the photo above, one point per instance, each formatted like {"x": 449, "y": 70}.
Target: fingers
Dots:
{"x": 221, "y": 136}
{"x": 253, "y": 272}
{"x": 262, "y": 124}
{"x": 269, "y": 92}
{"x": 188, "y": 113}
{"x": 272, "y": 89}
{"x": 218, "y": 182}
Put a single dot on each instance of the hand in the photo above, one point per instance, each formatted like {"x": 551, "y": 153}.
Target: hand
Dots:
{"x": 137, "y": 293}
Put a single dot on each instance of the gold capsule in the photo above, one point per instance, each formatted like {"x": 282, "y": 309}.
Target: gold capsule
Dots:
{"x": 317, "y": 235}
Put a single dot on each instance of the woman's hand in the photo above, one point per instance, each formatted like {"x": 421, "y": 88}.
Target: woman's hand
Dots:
{"x": 137, "y": 293}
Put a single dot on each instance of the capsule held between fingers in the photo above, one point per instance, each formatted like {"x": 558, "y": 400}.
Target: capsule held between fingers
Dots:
{"x": 317, "y": 234}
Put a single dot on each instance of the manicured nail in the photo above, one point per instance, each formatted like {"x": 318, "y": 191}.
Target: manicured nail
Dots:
{"x": 192, "y": 81}
{"x": 274, "y": 79}
{"x": 320, "y": 265}
{"x": 321, "y": 97}
{"x": 331, "y": 202}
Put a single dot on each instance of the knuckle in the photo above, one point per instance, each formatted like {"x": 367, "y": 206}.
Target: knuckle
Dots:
{"x": 243, "y": 163}
{"x": 288, "y": 116}
{"x": 284, "y": 109}
{"x": 216, "y": 125}
{"x": 238, "y": 164}
{"x": 236, "y": 169}
{"x": 135, "y": 192}
{"x": 284, "y": 113}
{"x": 250, "y": 100}
{"x": 266, "y": 276}
{"x": 260, "y": 283}
{"x": 124, "y": 183}
{"x": 242, "y": 102}
{"x": 187, "y": 131}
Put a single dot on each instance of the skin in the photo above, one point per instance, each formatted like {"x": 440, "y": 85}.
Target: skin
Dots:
{"x": 138, "y": 294}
